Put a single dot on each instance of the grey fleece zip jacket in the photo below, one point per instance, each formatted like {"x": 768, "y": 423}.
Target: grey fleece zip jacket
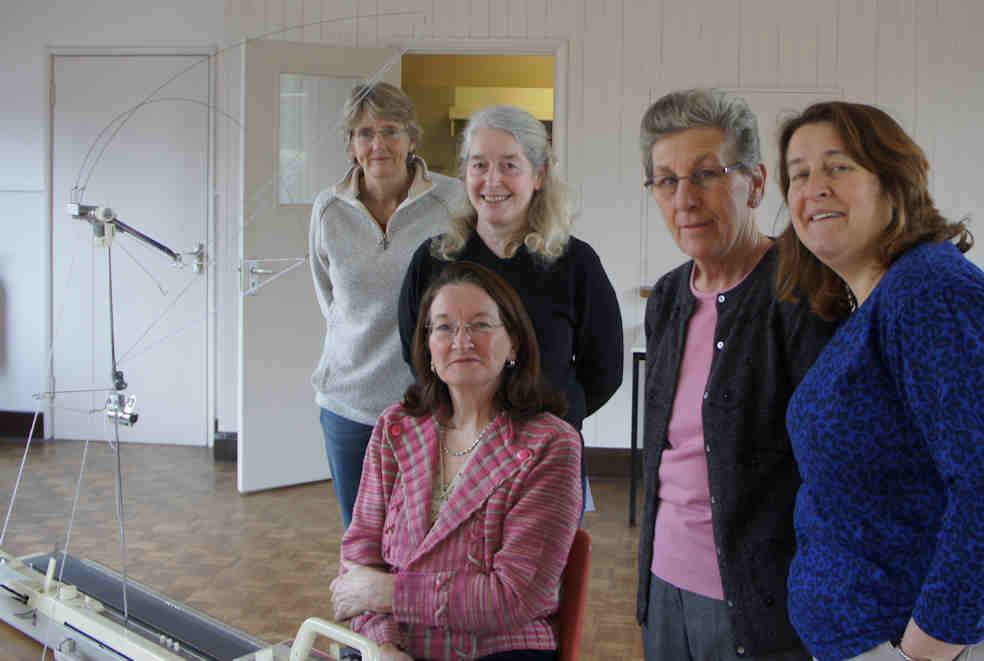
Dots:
{"x": 358, "y": 269}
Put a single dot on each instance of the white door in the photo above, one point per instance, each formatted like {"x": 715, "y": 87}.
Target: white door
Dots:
{"x": 154, "y": 174}
{"x": 281, "y": 326}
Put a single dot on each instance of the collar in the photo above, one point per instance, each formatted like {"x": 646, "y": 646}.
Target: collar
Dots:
{"x": 765, "y": 263}
{"x": 494, "y": 461}
{"x": 347, "y": 187}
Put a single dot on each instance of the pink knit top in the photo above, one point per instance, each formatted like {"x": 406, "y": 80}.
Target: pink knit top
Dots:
{"x": 683, "y": 541}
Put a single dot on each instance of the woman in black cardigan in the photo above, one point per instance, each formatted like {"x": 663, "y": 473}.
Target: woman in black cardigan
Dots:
{"x": 519, "y": 227}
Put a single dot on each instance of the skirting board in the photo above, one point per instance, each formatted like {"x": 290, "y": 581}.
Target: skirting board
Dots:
{"x": 610, "y": 462}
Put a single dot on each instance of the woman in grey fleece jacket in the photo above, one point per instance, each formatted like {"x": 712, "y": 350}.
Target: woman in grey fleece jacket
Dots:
{"x": 363, "y": 232}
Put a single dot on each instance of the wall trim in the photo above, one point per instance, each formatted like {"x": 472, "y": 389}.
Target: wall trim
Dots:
{"x": 190, "y": 50}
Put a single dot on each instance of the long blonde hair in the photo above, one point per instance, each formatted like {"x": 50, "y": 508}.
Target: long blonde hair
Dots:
{"x": 548, "y": 218}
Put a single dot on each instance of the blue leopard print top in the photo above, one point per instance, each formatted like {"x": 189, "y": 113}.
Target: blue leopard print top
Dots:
{"x": 888, "y": 430}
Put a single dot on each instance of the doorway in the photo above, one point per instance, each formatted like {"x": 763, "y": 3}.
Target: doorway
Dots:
{"x": 279, "y": 441}
{"x": 448, "y": 88}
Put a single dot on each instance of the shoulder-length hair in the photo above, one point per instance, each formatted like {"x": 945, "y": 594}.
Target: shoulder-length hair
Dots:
{"x": 522, "y": 391}
{"x": 548, "y": 218}
{"x": 878, "y": 144}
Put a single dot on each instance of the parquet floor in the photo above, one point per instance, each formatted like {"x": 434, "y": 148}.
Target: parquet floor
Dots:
{"x": 260, "y": 563}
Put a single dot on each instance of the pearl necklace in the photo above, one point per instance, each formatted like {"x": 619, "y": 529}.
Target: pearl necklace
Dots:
{"x": 445, "y": 487}
{"x": 462, "y": 453}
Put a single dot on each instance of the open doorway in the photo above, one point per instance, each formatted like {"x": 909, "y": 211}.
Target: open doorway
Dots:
{"x": 448, "y": 88}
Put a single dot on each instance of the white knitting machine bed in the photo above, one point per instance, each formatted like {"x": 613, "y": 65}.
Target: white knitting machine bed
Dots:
{"x": 81, "y": 619}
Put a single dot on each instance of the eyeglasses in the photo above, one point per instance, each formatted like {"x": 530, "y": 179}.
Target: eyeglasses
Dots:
{"x": 665, "y": 187}
{"x": 446, "y": 330}
{"x": 365, "y": 136}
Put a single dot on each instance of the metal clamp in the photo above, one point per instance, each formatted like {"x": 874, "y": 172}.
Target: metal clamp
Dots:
{"x": 120, "y": 408}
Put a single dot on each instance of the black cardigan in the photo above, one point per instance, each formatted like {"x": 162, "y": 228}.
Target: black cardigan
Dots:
{"x": 767, "y": 348}
{"x": 571, "y": 303}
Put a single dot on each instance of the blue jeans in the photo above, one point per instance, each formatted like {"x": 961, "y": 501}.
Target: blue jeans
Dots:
{"x": 684, "y": 626}
{"x": 345, "y": 442}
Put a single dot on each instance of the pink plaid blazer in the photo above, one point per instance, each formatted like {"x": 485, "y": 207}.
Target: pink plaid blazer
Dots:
{"x": 485, "y": 578}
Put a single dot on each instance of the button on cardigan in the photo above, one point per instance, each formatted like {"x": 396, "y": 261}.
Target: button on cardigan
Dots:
{"x": 752, "y": 476}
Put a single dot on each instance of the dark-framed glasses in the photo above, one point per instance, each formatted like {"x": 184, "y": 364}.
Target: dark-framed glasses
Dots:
{"x": 366, "y": 135}
{"x": 665, "y": 186}
{"x": 446, "y": 330}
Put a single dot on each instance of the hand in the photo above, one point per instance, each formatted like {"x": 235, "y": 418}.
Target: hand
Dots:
{"x": 917, "y": 644}
{"x": 390, "y": 652}
{"x": 361, "y": 589}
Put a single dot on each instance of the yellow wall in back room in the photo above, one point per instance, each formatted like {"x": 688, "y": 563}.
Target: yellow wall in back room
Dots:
{"x": 478, "y": 70}
{"x": 430, "y": 81}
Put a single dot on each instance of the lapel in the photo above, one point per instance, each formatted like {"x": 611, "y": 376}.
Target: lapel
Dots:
{"x": 495, "y": 460}
{"x": 414, "y": 442}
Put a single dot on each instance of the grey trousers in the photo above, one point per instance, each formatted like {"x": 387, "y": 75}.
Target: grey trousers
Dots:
{"x": 683, "y": 626}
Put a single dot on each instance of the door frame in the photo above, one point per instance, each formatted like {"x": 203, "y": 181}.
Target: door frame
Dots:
{"x": 558, "y": 48}
{"x": 48, "y": 115}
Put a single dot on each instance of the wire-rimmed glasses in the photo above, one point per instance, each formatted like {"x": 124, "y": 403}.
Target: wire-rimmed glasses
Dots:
{"x": 664, "y": 187}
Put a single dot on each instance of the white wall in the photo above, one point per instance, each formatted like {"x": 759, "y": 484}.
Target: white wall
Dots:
{"x": 28, "y": 28}
{"x": 916, "y": 58}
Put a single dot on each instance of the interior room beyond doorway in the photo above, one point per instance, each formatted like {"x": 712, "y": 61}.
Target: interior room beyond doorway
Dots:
{"x": 447, "y": 89}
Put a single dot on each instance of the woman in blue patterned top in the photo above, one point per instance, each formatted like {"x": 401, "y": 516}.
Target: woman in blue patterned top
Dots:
{"x": 888, "y": 425}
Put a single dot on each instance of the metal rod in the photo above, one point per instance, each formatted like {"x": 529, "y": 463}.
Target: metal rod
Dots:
{"x": 112, "y": 329}
{"x": 51, "y": 393}
{"x": 119, "y": 514}
{"x": 117, "y": 379}
{"x": 137, "y": 234}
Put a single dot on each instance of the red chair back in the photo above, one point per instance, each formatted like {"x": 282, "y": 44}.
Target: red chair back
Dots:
{"x": 573, "y": 594}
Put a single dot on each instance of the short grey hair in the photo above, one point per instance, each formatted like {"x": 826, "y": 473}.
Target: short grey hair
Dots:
{"x": 700, "y": 107}
{"x": 380, "y": 100}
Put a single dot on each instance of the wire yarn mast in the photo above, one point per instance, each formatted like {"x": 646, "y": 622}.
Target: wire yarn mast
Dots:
{"x": 63, "y": 615}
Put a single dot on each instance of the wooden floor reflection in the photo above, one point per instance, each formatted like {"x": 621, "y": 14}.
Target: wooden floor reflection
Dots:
{"x": 261, "y": 562}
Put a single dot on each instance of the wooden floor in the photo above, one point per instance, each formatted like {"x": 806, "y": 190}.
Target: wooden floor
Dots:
{"x": 260, "y": 563}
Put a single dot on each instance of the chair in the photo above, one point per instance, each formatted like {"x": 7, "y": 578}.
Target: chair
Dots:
{"x": 570, "y": 615}
{"x": 573, "y": 595}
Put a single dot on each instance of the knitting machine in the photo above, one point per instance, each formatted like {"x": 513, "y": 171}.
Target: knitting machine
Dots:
{"x": 80, "y": 618}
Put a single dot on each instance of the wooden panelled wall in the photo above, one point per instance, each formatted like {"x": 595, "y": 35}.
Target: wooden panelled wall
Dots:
{"x": 918, "y": 59}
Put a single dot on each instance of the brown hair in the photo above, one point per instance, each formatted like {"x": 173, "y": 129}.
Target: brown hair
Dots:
{"x": 522, "y": 391}
{"x": 878, "y": 144}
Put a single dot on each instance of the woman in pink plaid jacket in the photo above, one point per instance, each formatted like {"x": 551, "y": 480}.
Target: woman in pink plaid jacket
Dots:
{"x": 470, "y": 493}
